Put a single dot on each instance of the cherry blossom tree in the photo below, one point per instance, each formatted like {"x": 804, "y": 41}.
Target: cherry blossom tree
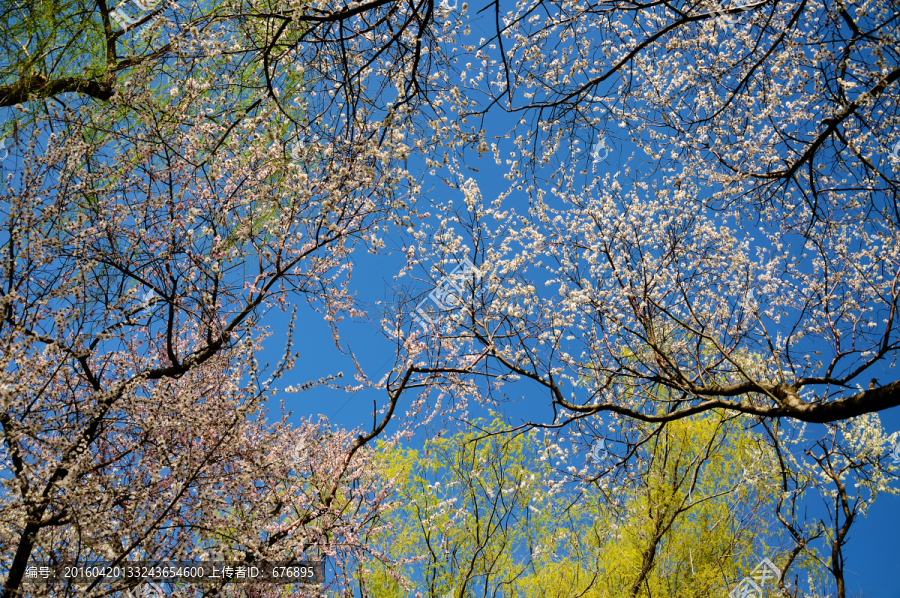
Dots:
{"x": 711, "y": 209}
{"x": 174, "y": 175}
{"x": 136, "y": 275}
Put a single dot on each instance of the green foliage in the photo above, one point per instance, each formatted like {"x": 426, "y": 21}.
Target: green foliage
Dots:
{"x": 486, "y": 514}
{"x": 51, "y": 36}
{"x": 469, "y": 506}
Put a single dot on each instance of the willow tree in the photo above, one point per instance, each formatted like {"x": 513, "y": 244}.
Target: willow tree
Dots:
{"x": 482, "y": 513}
